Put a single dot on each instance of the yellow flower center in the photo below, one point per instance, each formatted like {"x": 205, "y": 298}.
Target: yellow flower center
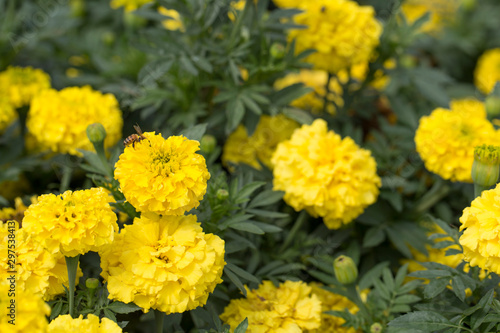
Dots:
{"x": 164, "y": 163}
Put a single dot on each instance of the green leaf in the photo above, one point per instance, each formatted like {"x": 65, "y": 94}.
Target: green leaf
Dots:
{"x": 109, "y": 314}
{"x": 246, "y": 191}
{"x": 300, "y": 116}
{"x": 248, "y": 227}
{"x": 425, "y": 321}
{"x": 120, "y": 307}
{"x": 266, "y": 198}
{"x": 373, "y": 237}
{"x": 234, "y": 278}
{"x": 194, "y": 132}
{"x": 267, "y": 213}
{"x": 241, "y": 272}
{"x": 406, "y": 299}
{"x": 435, "y": 287}
{"x": 267, "y": 227}
{"x": 367, "y": 280}
{"x": 242, "y": 327}
{"x": 240, "y": 217}
{"x": 249, "y": 103}
{"x": 458, "y": 287}
{"x": 235, "y": 111}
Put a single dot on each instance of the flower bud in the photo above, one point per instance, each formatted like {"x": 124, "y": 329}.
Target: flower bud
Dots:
{"x": 485, "y": 169}
{"x": 96, "y": 133}
{"x": 77, "y": 8}
{"x": 92, "y": 283}
{"x": 222, "y": 194}
{"x": 469, "y": 4}
{"x": 345, "y": 269}
{"x": 492, "y": 104}
{"x": 277, "y": 50}
{"x": 376, "y": 328}
{"x": 208, "y": 143}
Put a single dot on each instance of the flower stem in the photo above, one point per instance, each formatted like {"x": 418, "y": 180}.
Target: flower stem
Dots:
{"x": 159, "y": 317}
{"x": 72, "y": 265}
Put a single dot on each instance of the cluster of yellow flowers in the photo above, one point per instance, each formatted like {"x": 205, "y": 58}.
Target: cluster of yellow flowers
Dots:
{"x": 174, "y": 22}
{"x": 342, "y": 33}
{"x": 260, "y": 146}
{"x": 65, "y": 323}
{"x": 328, "y": 176}
{"x": 291, "y": 307}
{"x": 441, "y": 12}
{"x": 21, "y": 84}
{"x": 163, "y": 262}
{"x": 487, "y": 72}
{"x": 58, "y": 119}
{"x": 446, "y": 138}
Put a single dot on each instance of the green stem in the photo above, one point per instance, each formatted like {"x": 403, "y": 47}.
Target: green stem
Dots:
{"x": 67, "y": 171}
{"x": 478, "y": 189}
{"x": 72, "y": 265}
{"x": 354, "y": 296}
{"x": 291, "y": 235}
{"x": 159, "y": 317}
{"x": 99, "y": 148}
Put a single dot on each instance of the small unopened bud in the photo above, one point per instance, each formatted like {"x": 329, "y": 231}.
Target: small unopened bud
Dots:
{"x": 77, "y": 8}
{"x": 485, "y": 169}
{"x": 108, "y": 37}
{"x": 492, "y": 104}
{"x": 92, "y": 283}
{"x": 376, "y": 328}
{"x": 277, "y": 50}
{"x": 469, "y": 4}
{"x": 208, "y": 143}
{"x": 222, "y": 194}
{"x": 345, "y": 269}
{"x": 407, "y": 61}
{"x": 96, "y": 133}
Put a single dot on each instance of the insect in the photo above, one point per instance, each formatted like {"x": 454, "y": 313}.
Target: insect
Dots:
{"x": 134, "y": 138}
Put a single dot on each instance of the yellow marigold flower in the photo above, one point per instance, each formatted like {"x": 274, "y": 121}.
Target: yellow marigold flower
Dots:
{"x": 21, "y": 84}
{"x": 260, "y": 146}
{"x": 16, "y": 213}
{"x": 30, "y": 310}
{"x": 8, "y": 113}
{"x": 342, "y": 32}
{"x": 441, "y": 12}
{"x": 487, "y": 72}
{"x": 130, "y": 5}
{"x": 446, "y": 138}
{"x": 174, "y": 22}
{"x": 480, "y": 240}
{"x": 166, "y": 263}
{"x": 38, "y": 271}
{"x": 73, "y": 222}
{"x": 65, "y": 324}
{"x": 288, "y": 308}
{"x": 313, "y": 101}
{"x": 328, "y": 176}
{"x": 58, "y": 119}
{"x": 164, "y": 176}
{"x": 332, "y": 302}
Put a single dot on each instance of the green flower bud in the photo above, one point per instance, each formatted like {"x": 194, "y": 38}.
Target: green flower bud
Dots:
{"x": 77, "y": 8}
{"x": 222, "y": 194}
{"x": 492, "y": 104}
{"x": 345, "y": 269}
{"x": 469, "y": 4}
{"x": 277, "y": 50}
{"x": 407, "y": 61}
{"x": 96, "y": 133}
{"x": 108, "y": 37}
{"x": 376, "y": 328}
{"x": 208, "y": 143}
{"x": 92, "y": 283}
{"x": 485, "y": 169}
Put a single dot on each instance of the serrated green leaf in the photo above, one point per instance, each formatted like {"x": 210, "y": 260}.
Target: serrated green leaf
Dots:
{"x": 234, "y": 113}
{"x": 247, "y": 190}
{"x": 373, "y": 237}
{"x": 109, "y": 314}
{"x": 406, "y": 299}
{"x": 367, "y": 279}
{"x": 194, "y": 132}
{"x": 435, "y": 287}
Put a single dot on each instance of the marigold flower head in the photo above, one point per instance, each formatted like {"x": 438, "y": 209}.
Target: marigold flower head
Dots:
{"x": 16, "y": 213}
{"x": 92, "y": 324}
{"x": 166, "y": 263}
{"x": 260, "y": 146}
{"x": 441, "y": 12}
{"x": 164, "y": 176}
{"x": 487, "y": 72}
{"x": 332, "y": 302}
{"x": 288, "y": 308}
{"x": 21, "y": 84}
{"x": 328, "y": 176}
{"x": 446, "y": 139}
{"x": 174, "y": 22}
{"x": 73, "y": 222}
{"x": 58, "y": 119}
{"x": 342, "y": 32}
{"x": 30, "y": 310}
{"x": 8, "y": 113}
{"x": 130, "y": 5}
{"x": 38, "y": 271}
{"x": 480, "y": 239}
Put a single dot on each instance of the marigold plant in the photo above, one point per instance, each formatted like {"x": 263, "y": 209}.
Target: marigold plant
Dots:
{"x": 21, "y": 84}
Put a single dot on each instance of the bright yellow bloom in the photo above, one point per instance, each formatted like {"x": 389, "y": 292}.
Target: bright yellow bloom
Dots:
{"x": 327, "y": 176}
{"x": 8, "y": 113}
{"x": 480, "y": 222}
{"x": 30, "y": 310}
{"x": 342, "y": 32}
{"x": 73, "y": 222}
{"x": 130, "y": 5}
{"x": 38, "y": 271}
{"x": 313, "y": 101}
{"x": 58, "y": 119}
{"x": 16, "y": 213}
{"x": 166, "y": 263}
{"x": 174, "y": 22}
{"x": 21, "y": 84}
{"x": 260, "y": 146}
{"x": 487, "y": 72}
{"x": 164, "y": 176}
{"x": 289, "y": 308}
{"x": 441, "y": 12}
{"x": 332, "y": 302}
{"x": 65, "y": 324}
{"x": 446, "y": 139}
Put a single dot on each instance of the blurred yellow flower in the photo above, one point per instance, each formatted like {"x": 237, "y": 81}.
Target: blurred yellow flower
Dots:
{"x": 73, "y": 222}
{"x": 342, "y": 32}
{"x": 21, "y": 84}
{"x": 164, "y": 176}
{"x": 58, "y": 119}
{"x": 38, "y": 271}
{"x": 8, "y": 113}
{"x": 260, "y": 146}
{"x": 30, "y": 310}
{"x": 288, "y": 308}
{"x": 487, "y": 72}
{"x": 166, "y": 263}
{"x": 65, "y": 324}
{"x": 130, "y": 5}
{"x": 327, "y": 176}
{"x": 174, "y": 22}
{"x": 441, "y": 12}
{"x": 446, "y": 138}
